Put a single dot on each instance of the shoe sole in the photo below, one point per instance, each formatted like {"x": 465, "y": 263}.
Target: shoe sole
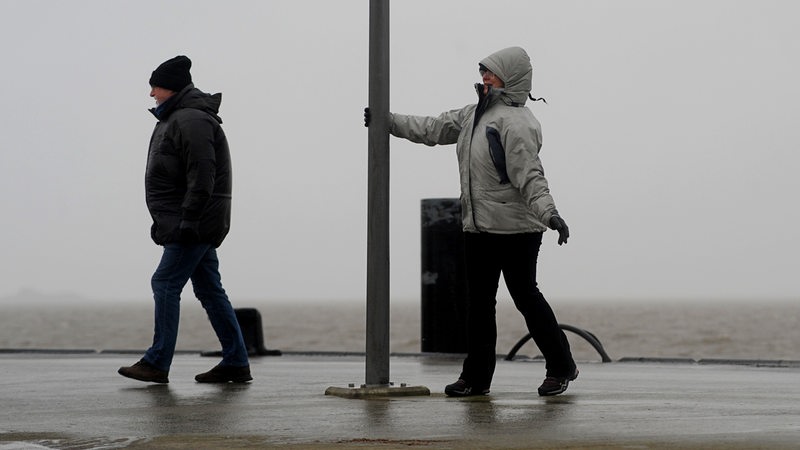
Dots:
{"x": 227, "y": 380}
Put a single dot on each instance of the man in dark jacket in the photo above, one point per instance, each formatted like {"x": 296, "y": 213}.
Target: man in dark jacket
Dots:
{"x": 188, "y": 194}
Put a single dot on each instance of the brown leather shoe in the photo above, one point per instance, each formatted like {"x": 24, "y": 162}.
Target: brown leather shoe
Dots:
{"x": 144, "y": 371}
{"x": 225, "y": 374}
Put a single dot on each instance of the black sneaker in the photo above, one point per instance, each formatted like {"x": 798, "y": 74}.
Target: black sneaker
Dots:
{"x": 225, "y": 374}
{"x": 463, "y": 389}
{"x": 556, "y": 385}
{"x": 144, "y": 371}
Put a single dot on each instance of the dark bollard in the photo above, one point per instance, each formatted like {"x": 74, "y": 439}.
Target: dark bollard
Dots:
{"x": 444, "y": 296}
{"x": 253, "y": 333}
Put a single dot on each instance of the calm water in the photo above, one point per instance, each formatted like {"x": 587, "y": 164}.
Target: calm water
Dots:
{"x": 742, "y": 330}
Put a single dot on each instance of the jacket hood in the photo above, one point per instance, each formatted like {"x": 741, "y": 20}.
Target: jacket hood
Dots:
{"x": 191, "y": 97}
{"x": 513, "y": 66}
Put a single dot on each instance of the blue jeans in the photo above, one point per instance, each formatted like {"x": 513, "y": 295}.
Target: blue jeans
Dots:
{"x": 179, "y": 264}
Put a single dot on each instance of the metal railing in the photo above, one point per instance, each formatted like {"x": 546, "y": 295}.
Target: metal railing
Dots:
{"x": 590, "y": 338}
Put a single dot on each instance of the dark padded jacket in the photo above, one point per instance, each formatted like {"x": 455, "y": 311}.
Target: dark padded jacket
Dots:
{"x": 188, "y": 179}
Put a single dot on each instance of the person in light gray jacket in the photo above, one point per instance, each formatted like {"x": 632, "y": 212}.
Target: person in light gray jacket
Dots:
{"x": 506, "y": 207}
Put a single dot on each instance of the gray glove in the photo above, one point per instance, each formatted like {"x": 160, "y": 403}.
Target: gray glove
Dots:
{"x": 558, "y": 224}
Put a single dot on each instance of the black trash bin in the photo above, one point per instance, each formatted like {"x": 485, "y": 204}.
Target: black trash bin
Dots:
{"x": 443, "y": 277}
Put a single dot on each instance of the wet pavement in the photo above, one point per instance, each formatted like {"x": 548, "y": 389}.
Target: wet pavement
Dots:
{"x": 78, "y": 401}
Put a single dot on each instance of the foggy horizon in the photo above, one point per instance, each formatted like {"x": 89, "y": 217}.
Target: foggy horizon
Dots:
{"x": 668, "y": 141}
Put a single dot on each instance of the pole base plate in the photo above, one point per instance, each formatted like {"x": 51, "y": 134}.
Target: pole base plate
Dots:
{"x": 378, "y": 391}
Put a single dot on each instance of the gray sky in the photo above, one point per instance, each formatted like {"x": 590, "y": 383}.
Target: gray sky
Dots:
{"x": 669, "y": 140}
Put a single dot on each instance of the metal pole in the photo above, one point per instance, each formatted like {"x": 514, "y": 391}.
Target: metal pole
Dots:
{"x": 377, "y": 352}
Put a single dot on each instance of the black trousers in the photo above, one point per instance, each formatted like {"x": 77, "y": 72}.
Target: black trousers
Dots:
{"x": 514, "y": 255}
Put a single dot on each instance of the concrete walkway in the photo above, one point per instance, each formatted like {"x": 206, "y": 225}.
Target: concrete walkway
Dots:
{"x": 78, "y": 401}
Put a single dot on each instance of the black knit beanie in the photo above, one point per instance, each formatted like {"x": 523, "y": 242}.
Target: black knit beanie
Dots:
{"x": 172, "y": 74}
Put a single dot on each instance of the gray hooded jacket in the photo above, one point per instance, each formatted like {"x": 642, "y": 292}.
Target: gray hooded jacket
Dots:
{"x": 503, "y": 188}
